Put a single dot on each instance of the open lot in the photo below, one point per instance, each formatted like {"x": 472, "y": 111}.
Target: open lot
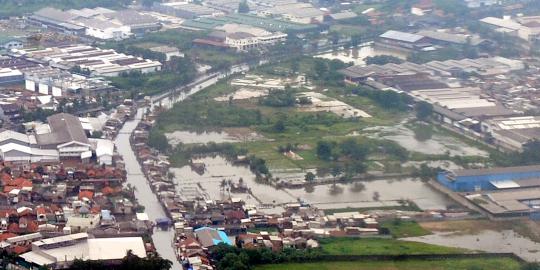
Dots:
{"x": 451, "y": 264}
{"x": 375, "y": 246}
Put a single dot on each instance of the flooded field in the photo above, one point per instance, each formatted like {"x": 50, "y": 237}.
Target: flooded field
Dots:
{"x": 433, "y": 144}
{"x": 357, "y": 55}
{"x": 208, "y": 185}
{"x": 488, "y": 241}
{"x": 389, "y": 193}
{"x": 230, "y": 135}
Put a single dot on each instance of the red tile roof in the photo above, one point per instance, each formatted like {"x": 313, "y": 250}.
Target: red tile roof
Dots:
{"x": 21, "y": 249}
{"x": 6, "y": 235}
{"x": 86, "y": 194}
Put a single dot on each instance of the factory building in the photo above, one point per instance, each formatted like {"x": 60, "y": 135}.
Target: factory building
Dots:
{"x": 403, "y": 41}
{"x": 63, "y": 137}
{"x": 487, "y": 179}
{"x": 100, "y": 62}
{"x": 186, "y": 10}
{"x": 10, "y": 76}
{"x": 513, "y": 132}
{"x": 99, "y": 23}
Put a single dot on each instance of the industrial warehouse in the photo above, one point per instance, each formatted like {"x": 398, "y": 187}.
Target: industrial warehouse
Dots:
{"x": 99, "y": 62}
{"x": 501, "y": 192}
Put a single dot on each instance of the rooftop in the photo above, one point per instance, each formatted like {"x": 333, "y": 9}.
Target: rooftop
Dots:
{"x": 401, "y": 36}
{"x": 64, "y": 128}
{"x": 498, "y": 170}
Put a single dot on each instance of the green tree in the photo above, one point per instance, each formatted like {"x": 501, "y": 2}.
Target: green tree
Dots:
{"x": 309, "y": 177}
{"x": 243, "y": 7}
{"x": 382, "y": 60}
{"x": 324, "y": 150}
{"x": 336, "y": 170}
{"x": 279, "y": 126}
{"x": 423, "y": 110}
{"x": 157, "y": 140}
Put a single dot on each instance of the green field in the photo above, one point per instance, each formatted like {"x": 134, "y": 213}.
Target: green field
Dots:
{"x": 302, "y": 130}
{"x": 400, "y": 229}
{"x": 375, "y": 246}
{"x": 451, "y": 264}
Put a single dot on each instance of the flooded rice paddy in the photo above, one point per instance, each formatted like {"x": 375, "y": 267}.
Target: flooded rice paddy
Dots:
{"x": 208, "y": 185}
{"x": 231, "y": 135}
{"x": 431, "y": 144}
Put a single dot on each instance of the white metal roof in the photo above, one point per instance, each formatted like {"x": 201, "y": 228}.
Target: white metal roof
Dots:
{"x": 10, "y": 134}
{"x": 397, "y": 35}
{"x": 505, "y": 184}
{"x": 36, "y": 258}
{"x": 115, "y": 248}
{"x": 505, "y": 23}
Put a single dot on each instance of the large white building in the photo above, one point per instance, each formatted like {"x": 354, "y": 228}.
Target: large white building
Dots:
{"x": 62, "y": 138}
{"x": 245, "y": 37}
{"x": 60, "y": 252}
{"x": 99, "y": 23}
{"x": 526, "y": 28}
{"x": 100, "y": 62}
{"x": 303, "y": 13}
{"x": 513, "y": 132}
{"x": 58, "y": 83}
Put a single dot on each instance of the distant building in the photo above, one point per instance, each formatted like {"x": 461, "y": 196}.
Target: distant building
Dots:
{"x": 60, "y": 83}
{"x": 244, "y": 37}
{"x": 422, "y": 8}
{"x": 100, "y": 62}
{"x": 168, "y": 51}
{"x": 10, "y": 76}
{"x": 186, "y": 10}
{"x": 99, "y": 23}
{"x": 514, "y": 132}
{"x": 526, "y": 28}
{"x": 303, "y": 13}
{"x": 444, "y": 38}
{"x": 480, "y": 3}
{"x": 401, "y": 40}
{"x": 344, "y": 15}
{"x": 486, "y": 179}
{"x": 7, "y": 43}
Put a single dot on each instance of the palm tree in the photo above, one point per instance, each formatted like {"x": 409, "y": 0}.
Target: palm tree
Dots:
{"x": 223, "y": 184}
{"x": 170, "y": 176}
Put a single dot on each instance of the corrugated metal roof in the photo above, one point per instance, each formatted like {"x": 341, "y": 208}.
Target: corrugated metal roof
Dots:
{"x": 402, "y": 36}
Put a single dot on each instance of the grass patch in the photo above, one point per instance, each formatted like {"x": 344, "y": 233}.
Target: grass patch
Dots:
{"x": 450, "y": 264}
{"x": 375, "y": 246}
{"x": 399, "y": 228}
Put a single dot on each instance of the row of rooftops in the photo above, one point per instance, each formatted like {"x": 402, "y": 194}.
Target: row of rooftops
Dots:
{"x": 99, "y": 61}
{"x": 487, "y": 66}
{"x": 429, "y": 36}
{"x": 100, "y": 18}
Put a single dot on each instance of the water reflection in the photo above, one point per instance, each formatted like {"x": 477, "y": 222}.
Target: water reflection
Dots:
{"x": 339, "y": 195}
{"x": 358, "y": 55}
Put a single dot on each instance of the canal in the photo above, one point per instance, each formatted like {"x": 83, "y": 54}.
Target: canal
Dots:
{"x": 163, "y": 240}
{"x": 135, "y": 177}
